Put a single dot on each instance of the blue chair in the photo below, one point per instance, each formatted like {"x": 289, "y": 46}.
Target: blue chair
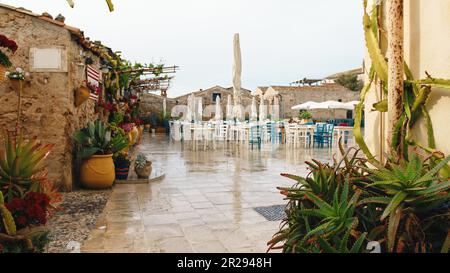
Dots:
{"x": 318, "y": 134}
{"x": 255, "y": 136}
{"x": 327, "y": 137}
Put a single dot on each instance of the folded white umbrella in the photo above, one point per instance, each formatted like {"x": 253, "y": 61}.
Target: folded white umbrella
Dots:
{"x": 218, "y": 115}
{"x": 262, "y": 110}
{"x": 229, "y": 108}
{"x": 237, "y": 73}
{"x": 200, "y": 109}
{"x": 275, "y": 109}
{"x": 164, "y": 106}
{"x": 254, "y": 112}
{"x": 189, "y": 114}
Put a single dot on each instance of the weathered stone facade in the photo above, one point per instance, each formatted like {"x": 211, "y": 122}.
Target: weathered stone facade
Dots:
{"x": 290, "y": 96}
{"x": 207, "y": 97}
{"x": 151, "y": 103}
{"x": 48, "y": 109}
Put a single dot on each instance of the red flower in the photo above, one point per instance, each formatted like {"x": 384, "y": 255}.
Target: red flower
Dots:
{"x": 31, "y": 210}
{"x": 10, "y": 44}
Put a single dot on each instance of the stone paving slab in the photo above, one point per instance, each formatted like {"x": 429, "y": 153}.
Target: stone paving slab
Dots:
{"x": 205, "y": 203}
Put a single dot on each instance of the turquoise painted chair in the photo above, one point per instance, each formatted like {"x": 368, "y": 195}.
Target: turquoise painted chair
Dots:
{"x": 327, "y": 137}
{"x": 318, "y": 134}
{"x": 255, "y": 136}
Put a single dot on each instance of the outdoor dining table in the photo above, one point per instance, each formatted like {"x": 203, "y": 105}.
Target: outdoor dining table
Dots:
{"x": 340, "y": 131}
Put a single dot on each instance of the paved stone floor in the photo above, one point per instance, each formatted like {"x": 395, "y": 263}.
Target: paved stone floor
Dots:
{"x": 205, "y": 202}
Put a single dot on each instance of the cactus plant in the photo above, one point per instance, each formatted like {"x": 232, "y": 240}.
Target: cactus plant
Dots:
{"x": 21, "y": 164}
{"x": 7, "y": 224}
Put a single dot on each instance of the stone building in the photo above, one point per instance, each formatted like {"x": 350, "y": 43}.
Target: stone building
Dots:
{"x": 54, "y": 55}
{"x": 289, "y": 96}
{"x": 209, "y": 99}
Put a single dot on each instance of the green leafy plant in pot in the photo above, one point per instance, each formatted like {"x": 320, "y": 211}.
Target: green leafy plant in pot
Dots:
{"x": 305, "y": 116}
{"x": 142, "y": 166}
{"x": 97, "y": 149}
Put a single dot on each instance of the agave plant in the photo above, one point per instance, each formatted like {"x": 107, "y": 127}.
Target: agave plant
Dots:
{"x": 323, "y": 210}
{"x": 21, "y": 164}
{"x": 403, "y": 206}
{"x": 413, "y": 195}
{"x": 96, "y": 139}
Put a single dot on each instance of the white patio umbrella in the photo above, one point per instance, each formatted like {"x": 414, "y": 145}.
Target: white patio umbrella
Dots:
{"x": 189, "y": 113}
{"x": 164, "y": 106}
{"x": 332, "y": 105}
{"x": 254, "y": 112}
{"x": 275, "y": 109}
{"x": 352, "y": 104}
{"x": 200, "y": 109}
{"x": 262, "y": 110}
{"x": 229, "y": 108}
{"x": 218, "y": 114}
{"x": 237, "y": 72}
{"x": 305, "y": 106}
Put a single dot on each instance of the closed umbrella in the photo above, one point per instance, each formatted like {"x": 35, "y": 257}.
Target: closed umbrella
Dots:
{"x": 200, "y": 109}
{"x": 164, "y": 106}
{"x": 254, "y": 112}
{"x": 262, "y": 110}
{"x": 276, "y": 109}
{"x": 237, "y": 72}
{"x": 218, "y": 115}
{"x": 229, "y": 109}
{"x": 189, "y": 113}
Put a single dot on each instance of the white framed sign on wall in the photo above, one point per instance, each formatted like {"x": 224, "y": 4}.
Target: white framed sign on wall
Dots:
{"x": 48, "y": 59}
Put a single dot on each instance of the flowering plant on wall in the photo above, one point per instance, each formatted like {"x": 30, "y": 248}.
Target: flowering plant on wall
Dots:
{"x": 11, "y": 46}
{"x": 18, "y": 74}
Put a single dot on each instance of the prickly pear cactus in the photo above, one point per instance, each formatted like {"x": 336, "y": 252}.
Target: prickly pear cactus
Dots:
{"x": 7, "y": 224}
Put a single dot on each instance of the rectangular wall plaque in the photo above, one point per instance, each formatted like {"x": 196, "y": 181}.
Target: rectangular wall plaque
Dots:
{"x": 48, "y": 59}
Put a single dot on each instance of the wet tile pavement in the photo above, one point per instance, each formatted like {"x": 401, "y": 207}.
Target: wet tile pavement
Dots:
{"x": 205, "y": 203}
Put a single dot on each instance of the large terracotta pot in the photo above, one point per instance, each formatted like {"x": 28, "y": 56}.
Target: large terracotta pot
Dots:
{"x": 81, "y": 95}
{"x": 141, "y": 133}
{"x": 133, "y": 135}
{"x": 97, "y": 172}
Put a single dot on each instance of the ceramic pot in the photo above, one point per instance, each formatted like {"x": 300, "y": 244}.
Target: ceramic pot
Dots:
{"x": 97, "y": 172}
{"x": 122, "y": 170}
{"x": 145, "y": 171}
{"x": 81, "y": 95}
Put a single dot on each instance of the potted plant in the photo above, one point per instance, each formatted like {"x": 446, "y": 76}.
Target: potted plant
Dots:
{"x": 11, "y": 46}
{"x": 27, "y": 197}
{"x": 97, "y": 149}
{"x": 304, "y": 116}
{"x": 142, "y": 166}
{"x": 122, "y": 166}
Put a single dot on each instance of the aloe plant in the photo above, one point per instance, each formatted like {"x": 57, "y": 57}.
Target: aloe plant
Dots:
{"x": 340, "y": 207}
{"x": 21, "y": 164}
{"x": 96, "y": 139}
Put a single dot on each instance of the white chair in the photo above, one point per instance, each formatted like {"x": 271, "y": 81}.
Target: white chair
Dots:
{"x": 197, "y": 135}
{"x": 208, "y": 136}
{"x": 175, "y": 131}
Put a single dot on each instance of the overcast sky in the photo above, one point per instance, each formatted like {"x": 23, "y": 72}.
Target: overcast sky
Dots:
{"x": 281, "y": 40}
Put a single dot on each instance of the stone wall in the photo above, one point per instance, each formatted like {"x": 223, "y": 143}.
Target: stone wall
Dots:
{"x": 151, "y": 103}
{"x": 291, "y": 96}
{"x": 48, "y": 109}
{"x": 207, "y": 98}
